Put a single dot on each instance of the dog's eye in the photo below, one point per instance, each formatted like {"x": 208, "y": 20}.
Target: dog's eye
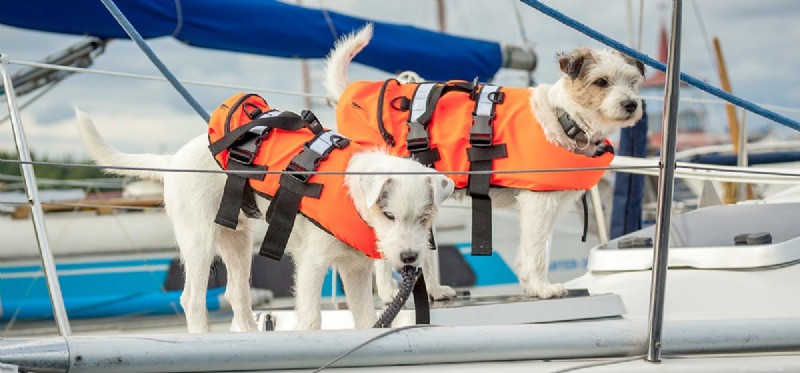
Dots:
{"x": 601, "y": 82}
{"x": 388, "y": 215}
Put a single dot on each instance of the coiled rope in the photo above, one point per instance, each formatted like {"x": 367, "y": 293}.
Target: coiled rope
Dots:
{"x": 649, "y": 61}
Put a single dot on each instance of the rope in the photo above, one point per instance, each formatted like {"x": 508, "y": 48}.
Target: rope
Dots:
{"x": 410, "y": 275}
{"x": 134, "y": 35}
{"x": 649, "y": 61}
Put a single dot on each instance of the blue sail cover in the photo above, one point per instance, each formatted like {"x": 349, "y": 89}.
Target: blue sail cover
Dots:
{"x": 265, "y": 27}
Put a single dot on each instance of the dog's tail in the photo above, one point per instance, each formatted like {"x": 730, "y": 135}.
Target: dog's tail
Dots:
{"x": 105, "y": 155}
{"x": 339, "y": 59}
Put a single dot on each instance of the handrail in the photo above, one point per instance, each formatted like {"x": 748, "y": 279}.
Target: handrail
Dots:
{"x": 751, "y": 147}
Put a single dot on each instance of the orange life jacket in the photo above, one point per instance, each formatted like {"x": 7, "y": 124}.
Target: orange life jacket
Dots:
{"x": 514, "y": 125}
{"x": 274, "y": 150}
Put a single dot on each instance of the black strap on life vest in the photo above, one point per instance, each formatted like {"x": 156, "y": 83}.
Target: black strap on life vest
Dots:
{"x": 293, "y": 187}
{"x": 422, "y": 306}
{"x": 243, "y": 143}
{"x": 480, "y": 156}
{"x": 387, "y": 137}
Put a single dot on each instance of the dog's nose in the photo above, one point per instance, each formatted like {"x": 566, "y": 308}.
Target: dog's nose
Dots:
{"x": 630, "y": 105}
{"x": 409, "y": 257}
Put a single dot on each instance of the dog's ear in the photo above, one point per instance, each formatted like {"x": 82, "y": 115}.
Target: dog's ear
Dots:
{"x": 442, "y": 188}
{"x": 376, "y": 189}
{"x": 639, "y": 65}
{"x": 636, "y": 63}
{"x": 573, "y": 63}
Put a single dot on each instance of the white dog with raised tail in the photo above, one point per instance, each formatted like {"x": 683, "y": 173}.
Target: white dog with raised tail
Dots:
{"x": 461, "y": 126}
{"x": 399, "y": 208}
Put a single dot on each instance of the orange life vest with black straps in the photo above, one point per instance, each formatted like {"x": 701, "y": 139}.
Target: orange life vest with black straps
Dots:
{"x": 246, "y": 134}
{"x": 477, "y": 128}
{"x": 364, "y": 107}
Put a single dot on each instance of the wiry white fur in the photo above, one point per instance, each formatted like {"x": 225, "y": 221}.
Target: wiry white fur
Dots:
{"x": 191, "y": 201}
{"x": 538, "y": 210}
{"x": 337, "y": 61}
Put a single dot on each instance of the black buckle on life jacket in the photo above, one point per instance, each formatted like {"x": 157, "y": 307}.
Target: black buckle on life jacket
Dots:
{"x": 245, "y": 148}
{"x": 241, "y": 156}
{"x": 304, "y": 163}
{"x": 417, "y": 139}
{"x": 481, "y": 134}
{"x": 312, "y": 123}
{"x": 314, "y": 152}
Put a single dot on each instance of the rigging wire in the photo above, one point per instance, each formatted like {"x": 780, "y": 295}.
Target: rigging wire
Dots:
{"x": 162, "y": 79}
{"x": 29, "y": 102}
{"x": 328, "y": 19}
{"x": 706, "y": 38}
{"x": 641, "y": 25}
{"x": 298, "y": 93}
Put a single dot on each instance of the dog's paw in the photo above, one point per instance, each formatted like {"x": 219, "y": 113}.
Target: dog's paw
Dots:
{"x": 545, "y": 291}
{"x": 441, "y": 292}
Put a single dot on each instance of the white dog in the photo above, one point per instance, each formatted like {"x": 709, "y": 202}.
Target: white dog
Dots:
{"x": 400, "y": 209}
{"x": 598, "y": 90}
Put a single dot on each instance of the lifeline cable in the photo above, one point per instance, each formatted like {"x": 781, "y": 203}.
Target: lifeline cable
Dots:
{"x": 246, "y": 172}
{"x": 649, "y": 61}
{"x": 303, "y": 94}
{"x": 373, "y": 339}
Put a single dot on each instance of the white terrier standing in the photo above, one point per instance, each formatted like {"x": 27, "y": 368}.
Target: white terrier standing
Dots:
{"x": 596, "y": 95}
{"x": 400, "y": 209}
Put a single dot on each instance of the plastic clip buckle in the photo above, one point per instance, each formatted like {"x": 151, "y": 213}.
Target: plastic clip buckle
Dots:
{"x": 242, "y": 156}
{"x": 417, "y": 139}
{"x": 312, "y": 123}
{"x": 306, "y": 161}
{"x": 481, "y": 132}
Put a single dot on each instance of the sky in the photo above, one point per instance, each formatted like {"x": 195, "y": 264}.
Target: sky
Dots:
{"x": 759, "y": 38}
